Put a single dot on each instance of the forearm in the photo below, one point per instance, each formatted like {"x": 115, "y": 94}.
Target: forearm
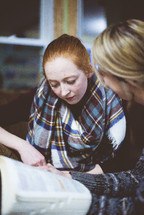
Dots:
{"x": 27, "y": 152}
{"x": 117, "y": 184}
{"x": 10, "y": 140}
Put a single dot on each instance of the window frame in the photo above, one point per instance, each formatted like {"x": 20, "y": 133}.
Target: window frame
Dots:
{"x": 45, "y": 25}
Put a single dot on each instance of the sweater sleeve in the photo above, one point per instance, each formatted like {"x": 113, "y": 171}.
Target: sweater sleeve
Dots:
{"x": 114, "y": 184}
{"x": 105, "y": 205}
{"x": 131, "y": 204}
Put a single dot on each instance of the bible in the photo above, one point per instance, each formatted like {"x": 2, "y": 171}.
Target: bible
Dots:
{"x": 30, "y": 190}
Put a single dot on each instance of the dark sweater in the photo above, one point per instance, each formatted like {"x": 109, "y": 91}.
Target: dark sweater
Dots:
{"x": 116, "y": 193}
{"x": 121, "y": 192}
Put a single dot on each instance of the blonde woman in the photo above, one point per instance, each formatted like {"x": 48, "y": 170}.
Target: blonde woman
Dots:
{"x": 118, "y": 56}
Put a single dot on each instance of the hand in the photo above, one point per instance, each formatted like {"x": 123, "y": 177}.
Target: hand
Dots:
{"x": 50, "y": 168}
{"x": 29, "y": 155}
{"x": 97, "y": 170}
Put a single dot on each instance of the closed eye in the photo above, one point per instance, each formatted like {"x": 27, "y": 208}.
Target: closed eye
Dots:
{"x": 56, "y": 84}
{"x": 53, "y": 85}
{"x": 71, "y": 81}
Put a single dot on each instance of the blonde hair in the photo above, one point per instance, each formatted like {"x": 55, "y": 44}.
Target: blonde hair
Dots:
{"x": 119, "y": 50}
{"x": 69, "y": 47}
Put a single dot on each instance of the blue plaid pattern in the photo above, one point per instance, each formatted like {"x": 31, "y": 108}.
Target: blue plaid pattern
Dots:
{"x": 65, "y": 141}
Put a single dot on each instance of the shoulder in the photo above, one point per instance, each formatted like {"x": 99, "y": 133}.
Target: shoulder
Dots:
{"x": 42, "y": 92}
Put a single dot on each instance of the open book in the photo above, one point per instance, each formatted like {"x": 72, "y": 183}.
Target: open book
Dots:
{"x": 30, "y": 190}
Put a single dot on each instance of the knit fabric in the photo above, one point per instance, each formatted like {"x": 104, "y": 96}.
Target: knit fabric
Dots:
{"x": 75, "y": 143}
{"x": 102, "y": 205}
{"x": 116, "y": 193}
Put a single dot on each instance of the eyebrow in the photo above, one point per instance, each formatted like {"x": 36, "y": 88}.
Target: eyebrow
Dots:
{"x": 51, "y": 80}
{"x": 64, "y": 78}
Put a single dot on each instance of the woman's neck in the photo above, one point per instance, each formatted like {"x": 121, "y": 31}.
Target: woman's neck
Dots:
{"x": 77, "y": 108}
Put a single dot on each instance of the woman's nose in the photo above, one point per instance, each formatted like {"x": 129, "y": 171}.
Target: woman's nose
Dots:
{"x": 64, "y": 91}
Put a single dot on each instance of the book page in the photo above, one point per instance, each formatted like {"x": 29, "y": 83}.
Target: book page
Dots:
{"x": 31, "y": 184}
{"x": 35, "y": 179}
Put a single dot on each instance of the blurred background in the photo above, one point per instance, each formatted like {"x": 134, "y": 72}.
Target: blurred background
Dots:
{"x": 26, "y": 28}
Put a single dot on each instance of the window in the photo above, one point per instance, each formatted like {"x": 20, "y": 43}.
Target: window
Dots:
{"x": 26, "y": 27}
{"x": 93, "y": 21}
{"x": 26, "y": 22}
